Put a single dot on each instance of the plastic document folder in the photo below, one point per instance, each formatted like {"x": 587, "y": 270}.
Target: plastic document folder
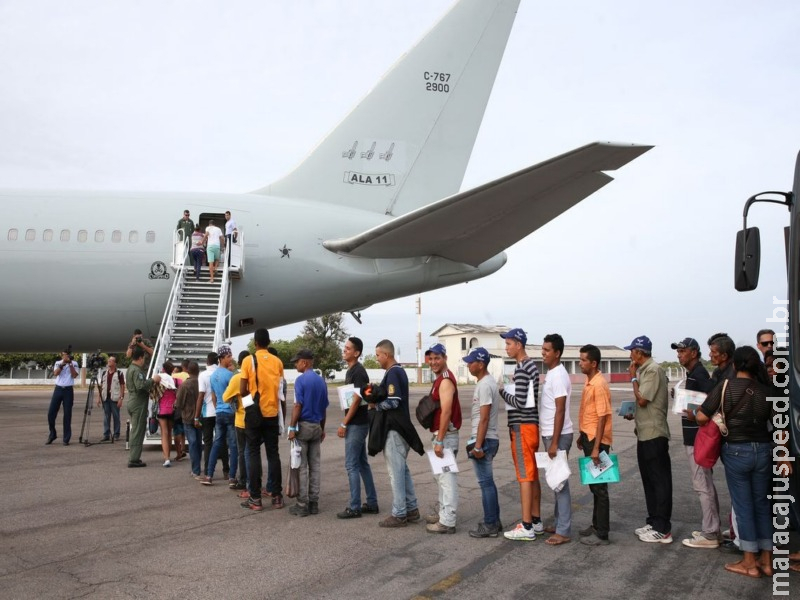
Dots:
{"x": 609, "y": 475}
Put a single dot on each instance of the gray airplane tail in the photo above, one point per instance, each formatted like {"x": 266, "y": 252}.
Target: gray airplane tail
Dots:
{"x": 408, "y": 142}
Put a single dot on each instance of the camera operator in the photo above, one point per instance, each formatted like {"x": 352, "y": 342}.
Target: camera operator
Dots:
{"x": 111, "y": 393}
{"x": 138, "y": 396}
{"x": 65, "y": 372}
{"x": 137, "y": 341}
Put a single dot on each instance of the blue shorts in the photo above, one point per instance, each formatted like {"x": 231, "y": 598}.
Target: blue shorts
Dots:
{"x": 177, "y": 428}
{"x": 213, "y": 253}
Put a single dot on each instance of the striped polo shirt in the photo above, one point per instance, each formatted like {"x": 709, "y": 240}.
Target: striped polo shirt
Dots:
{"x": 525, "y": 374}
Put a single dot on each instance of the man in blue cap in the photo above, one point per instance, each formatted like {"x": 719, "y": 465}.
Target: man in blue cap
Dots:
{"x": 652, "y": 448}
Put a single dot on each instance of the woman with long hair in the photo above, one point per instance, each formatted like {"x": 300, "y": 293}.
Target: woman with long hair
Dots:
{"x": 166, "y": 410}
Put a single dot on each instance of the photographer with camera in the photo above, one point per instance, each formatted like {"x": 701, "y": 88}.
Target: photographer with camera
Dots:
{"x": 111, "y": 393}
{"x": 137, "y": 341}
{"x": 65, "y": 372}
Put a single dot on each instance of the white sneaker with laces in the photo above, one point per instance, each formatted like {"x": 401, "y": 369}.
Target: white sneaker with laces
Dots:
{"x": 167, "y": 463}
{"x": 642, "y": 530}
{"x": 521, "y": 534}
{"x": 538, "y": 528}
{"x": 700, "y": 541}
{"x": 656, "y": 537}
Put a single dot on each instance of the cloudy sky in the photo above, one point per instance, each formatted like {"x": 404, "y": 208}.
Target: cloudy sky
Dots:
{"x": 218, "y": 96}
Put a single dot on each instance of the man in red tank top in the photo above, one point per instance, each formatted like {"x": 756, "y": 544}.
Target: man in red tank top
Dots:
{"x": 446, "y": 423}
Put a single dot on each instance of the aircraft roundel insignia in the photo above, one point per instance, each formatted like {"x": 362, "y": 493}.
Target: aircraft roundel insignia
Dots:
{"x": 158, "y": 270}
{"x": 391, "y": 389}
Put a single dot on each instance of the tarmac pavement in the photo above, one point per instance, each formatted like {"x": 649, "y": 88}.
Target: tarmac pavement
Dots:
{"x": 77, "y": 523}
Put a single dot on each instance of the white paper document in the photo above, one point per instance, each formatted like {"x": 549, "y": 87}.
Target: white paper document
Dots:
{"x": 446, "y": 464}
{"x": 684, "y": 398}
{"x": 605, "y": 463}
{"x": 247, "y": 401}
{"x": 511, "y": 390}
{"x": 347, "y": 393}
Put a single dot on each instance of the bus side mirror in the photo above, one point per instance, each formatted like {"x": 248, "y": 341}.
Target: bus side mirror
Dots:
{"x": 748, "y": 259}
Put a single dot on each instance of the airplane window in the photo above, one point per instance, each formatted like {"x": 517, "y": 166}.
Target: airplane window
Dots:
{"x": 83, "y": 235}
{"x": 133, "y": 237}
{"x": 99, "y": 235}
{"x": 150, "y": 237}
{"x": 65, "y": 235}
{"x": 30, "y": 235}
{"x": 47, "y": 236}
{"x": 12, "y": 235}
{"x": 116, "y": 236}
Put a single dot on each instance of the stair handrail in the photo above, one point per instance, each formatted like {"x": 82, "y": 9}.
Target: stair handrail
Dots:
{"x": 161, "y": 346}
{"x": 221, "y": 332}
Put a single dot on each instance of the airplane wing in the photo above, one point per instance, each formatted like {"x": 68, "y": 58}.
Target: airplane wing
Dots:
{"x": 475, "y": 225}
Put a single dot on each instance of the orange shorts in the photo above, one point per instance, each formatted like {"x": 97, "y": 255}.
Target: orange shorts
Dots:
{"x": 524, "y": 444}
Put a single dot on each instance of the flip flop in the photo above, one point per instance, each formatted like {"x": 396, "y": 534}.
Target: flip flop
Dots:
{"x": 557, "y": 540}
{"x": 739, "y": 569}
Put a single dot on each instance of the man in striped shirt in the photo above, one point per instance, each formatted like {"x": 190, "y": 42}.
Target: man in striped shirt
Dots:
{"x": 523, "y": 425}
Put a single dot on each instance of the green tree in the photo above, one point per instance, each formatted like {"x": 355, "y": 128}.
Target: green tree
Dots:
{"x": 371, "y": 362}
{"x": 287, "y": 350}
{"x": 324, "y": 336}
{"x": 18, "y": 360}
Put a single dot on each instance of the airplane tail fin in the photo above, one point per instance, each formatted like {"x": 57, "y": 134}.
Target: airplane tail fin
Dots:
{"x": 407, "y": 143}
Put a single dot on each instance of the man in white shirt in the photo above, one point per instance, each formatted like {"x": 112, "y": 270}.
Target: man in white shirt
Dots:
{"x": 556, "y": 427}
{"x": 231, "y": 232}
{"x": 65, "y": 371}
{"x": 206, "y": 413}
{"x": 215, "y": 244}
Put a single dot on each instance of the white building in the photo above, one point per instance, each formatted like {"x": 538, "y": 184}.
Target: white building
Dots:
{"x": 460, "y": 338}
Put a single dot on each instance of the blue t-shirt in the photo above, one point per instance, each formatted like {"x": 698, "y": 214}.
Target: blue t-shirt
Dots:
{"x": 219, "y": 383}
{"x": 311, "y": 393}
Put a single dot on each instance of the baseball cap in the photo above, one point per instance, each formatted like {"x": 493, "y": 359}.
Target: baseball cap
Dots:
{"x": 477, "y": 354}
{"x": 515, "y": 334}
{"x": 640, "y": 343}
{"x": 688, "y": 342}
{"x": 436, "y": 349}
{"x": 224, "y": 350}
{"x": 304, "y": 353}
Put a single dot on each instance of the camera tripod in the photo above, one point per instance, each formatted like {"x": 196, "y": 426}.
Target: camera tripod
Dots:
{"x": 87, "y": 411}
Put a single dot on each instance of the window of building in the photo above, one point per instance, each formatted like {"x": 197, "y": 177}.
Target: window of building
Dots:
{"x": 65, "y": 235}
{"x": 12, "y": 235}
{"x": 464, "y": 343}
{"x": 47, "y": 236}
{"x": 473, "y": 343}
{"x": 133, "y": 237}
{"x": 150, "y": 237}
{"x": 99, "y": 235}
{"x": 116, "y": 236}
{"x": 30, "y": 235}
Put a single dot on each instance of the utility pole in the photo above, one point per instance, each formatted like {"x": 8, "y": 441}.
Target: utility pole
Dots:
{"x": 419, "y": 338}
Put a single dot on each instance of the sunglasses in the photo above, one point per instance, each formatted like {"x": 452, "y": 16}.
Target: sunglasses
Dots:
{"x": 767, "y": 343}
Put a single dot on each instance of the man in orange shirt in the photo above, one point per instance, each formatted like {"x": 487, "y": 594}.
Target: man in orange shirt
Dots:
{"x": 594, "y": 421}
{"x": 266, "y": 382}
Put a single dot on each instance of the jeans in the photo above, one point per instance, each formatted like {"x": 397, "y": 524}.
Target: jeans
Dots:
{"x": 357, "y": 465}
{"x": 309, "y": 436}
{"x": 244, "y": 459}
{"x": 194, "y": 442}
{"x": 602, "y": 506}
{"x": 65, "y": 396}
{"x": 209, "y": 429}
{"x": 655, "y": 468}
{"x": 266, "y": 434}
{"x": 224, "y": 432}
{"x": 703, "y": 484}
{"x": 748, "y": 471}
{"x": 395, "y": 452}
{"x": 110, "y": 409}
{"x": 448, "y": 485}
{"x": 563, "y": 501}
{"x": 137, "y": 409}
{"x": 197, "y": 259}
{"x": 485, "y": 477}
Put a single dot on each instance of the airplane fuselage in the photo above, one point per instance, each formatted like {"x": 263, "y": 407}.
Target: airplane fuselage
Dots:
{"x": 111, "y": 273}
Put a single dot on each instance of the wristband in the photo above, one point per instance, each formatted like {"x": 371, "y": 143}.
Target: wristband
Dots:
{"x": 477, "y": 449}
{"x": 290, "y": 428}
{"x": 343, "y": 426}
{"x": 634, "y": 379}
{"x": 438, "y": 443}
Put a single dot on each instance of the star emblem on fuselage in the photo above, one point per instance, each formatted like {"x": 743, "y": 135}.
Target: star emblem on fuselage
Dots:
{"x": 285, "y": 251}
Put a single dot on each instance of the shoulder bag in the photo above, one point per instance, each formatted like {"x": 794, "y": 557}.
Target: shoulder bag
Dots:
{"x": 252, "y": 414}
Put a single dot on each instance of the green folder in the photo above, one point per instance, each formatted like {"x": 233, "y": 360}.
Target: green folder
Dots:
{"x": 610, "y": 475}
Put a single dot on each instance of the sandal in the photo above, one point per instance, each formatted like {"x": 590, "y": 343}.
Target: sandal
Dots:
{"x": 740, "y": 569}
{"x": 557, "y": 540}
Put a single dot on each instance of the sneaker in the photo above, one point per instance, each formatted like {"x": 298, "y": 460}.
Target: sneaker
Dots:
{"x": 243, "y": 494}
{"x": 656, "y": 537}
{"x": 349, "y": 513}
{"x": 590, "y": 530}
{"x": 520, "y": 533}
{"x": 252, "y": 504}
{"x": 136, "y": 464}
{"x": 198, "y": 477}
{"x": 239, "y": 485}
{"x": 299, "y": 510}
{"x": 700, "y": 541}
{"x": 643, "y": 530}
{"x": 277, "y": 501}
{"x": 593, "y": 540}
{"x": 370, "y": 510}
{"x": 167, "y": 463}
{"x": 206, "y": 481}
{"x": 313, "y": 507}
{"x": 485, "y": 531}
{"x": 413, "y": 516}
{"x": 439, "y": 528}
{"x": 538, "y": 528}
{"x": 433, "y": 516}
{"x": 391, "y": 521}
{"x": 232, "y": 483}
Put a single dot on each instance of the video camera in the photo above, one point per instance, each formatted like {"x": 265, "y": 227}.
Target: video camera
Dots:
{"x": 96, "y": 361}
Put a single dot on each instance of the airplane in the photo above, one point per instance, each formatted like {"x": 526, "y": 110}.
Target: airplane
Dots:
{"x": 340, "y": 232}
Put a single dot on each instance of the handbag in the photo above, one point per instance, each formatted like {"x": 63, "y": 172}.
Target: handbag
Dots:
{"x": 425, "y": 410}
{"x": 152, "y": 422}
{"x": 252, "y": 414}
{"x": 708, "y": 442}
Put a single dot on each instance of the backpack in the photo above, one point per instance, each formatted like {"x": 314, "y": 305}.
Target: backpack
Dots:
{"x": 425, "y": 410}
